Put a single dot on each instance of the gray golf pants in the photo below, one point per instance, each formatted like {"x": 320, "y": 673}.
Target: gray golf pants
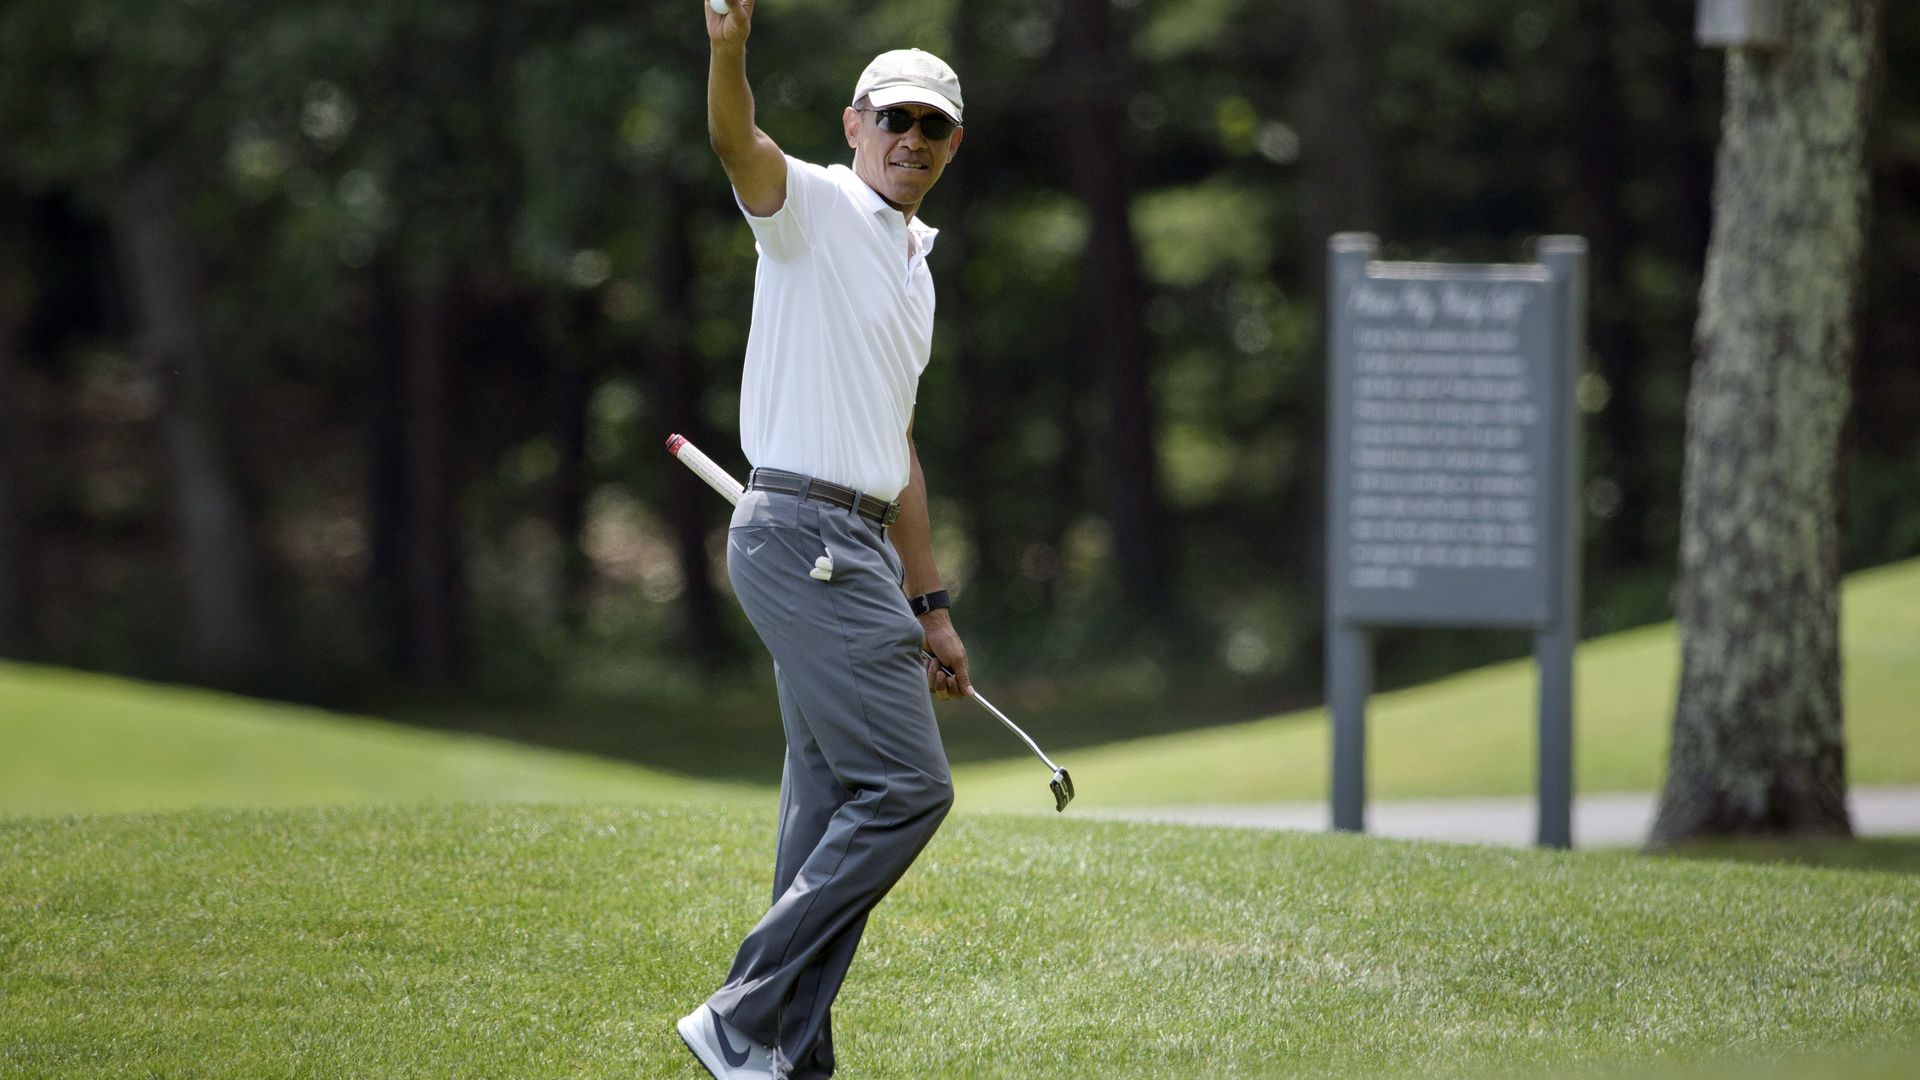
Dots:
{"x": 866, "y": 780}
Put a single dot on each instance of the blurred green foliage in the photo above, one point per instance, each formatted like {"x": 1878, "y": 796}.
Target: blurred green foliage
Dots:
{"x": 542, "y": 168}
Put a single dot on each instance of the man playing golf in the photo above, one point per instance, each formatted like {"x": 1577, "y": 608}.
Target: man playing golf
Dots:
{"x": 831, "y": 538}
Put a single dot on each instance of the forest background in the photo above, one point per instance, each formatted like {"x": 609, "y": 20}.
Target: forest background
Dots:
{"x": 339, "y": 339}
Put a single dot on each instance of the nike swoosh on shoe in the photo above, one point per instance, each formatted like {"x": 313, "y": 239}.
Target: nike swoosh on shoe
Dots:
{"x": 735, "y": 1058}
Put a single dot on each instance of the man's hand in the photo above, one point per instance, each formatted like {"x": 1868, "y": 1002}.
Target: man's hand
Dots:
{"x": 944, "y": 643}
{"x": 754, "y": 163}
{"x": 731, "y": 28}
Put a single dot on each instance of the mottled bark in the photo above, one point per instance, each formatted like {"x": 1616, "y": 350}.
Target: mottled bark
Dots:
{"x": 1093, "y": 141}
{"x": 163, "y": 276}
{"x": 1758, "y": 744}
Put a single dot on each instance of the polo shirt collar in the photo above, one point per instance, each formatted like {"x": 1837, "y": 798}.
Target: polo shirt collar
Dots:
{"x": 869, "y": 198}
{"x": 922, "y": 232}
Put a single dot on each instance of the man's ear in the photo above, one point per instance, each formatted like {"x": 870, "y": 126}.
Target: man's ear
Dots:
{"x": 850, "y": 123}
{"x": 953, "y": 142}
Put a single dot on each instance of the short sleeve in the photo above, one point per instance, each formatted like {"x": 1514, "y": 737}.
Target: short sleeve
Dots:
{"x": 787, "y": 233}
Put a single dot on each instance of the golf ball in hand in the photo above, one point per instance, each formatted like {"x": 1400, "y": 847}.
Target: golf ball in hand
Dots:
{"x": 719, "y": 6}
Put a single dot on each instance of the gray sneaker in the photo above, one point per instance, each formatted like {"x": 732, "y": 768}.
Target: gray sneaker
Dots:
{"x": 723, "y": 1049}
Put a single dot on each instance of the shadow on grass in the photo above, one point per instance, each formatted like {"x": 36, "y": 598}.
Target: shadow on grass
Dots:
{"x": 733, "y": 733}
{"x": 1888, "y": 854}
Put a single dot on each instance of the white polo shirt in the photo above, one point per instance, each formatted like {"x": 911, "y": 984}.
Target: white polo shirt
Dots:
{"x": 842, "y": 329}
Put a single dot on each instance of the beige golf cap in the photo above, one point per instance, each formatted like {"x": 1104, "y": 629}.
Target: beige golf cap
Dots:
{"x": 910, "y": 75}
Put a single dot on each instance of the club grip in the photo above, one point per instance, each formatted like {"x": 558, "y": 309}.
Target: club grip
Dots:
{"x": 704, "y": 467}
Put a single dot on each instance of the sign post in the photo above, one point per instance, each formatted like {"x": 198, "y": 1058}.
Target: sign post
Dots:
{"x": 1453, "y": 467}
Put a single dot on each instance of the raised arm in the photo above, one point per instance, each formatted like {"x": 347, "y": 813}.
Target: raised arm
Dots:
{"x": 753, "y": 161}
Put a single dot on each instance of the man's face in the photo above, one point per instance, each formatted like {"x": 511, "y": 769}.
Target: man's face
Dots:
{"x": 903, "y": 166}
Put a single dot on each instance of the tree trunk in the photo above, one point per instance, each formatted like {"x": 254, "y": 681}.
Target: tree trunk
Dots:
{"x": 1886, "y": 382}
{"x": 386, "y": 487}
{"x": 1340, "y": 163}
{"x": 414, "y": 577}
{"x": 572, "y": 395}
{"x": 1094, "y": 140}
{"x": 430, "y": 576}
{"x": 1758, "y": 745}
{"x": 163, "y": 279}
{"x": 1686, "y": 160}
{"x": 1602, "y": 154}
{"x": 674, "y": 371}
{"x": 980, "y": 401}
{"x": 16, "y": 559}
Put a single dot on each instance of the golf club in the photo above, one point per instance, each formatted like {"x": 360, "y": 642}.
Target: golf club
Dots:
{"x": 719, "y": 480}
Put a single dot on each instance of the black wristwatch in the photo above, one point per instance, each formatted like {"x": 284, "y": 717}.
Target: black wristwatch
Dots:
{"x": 930, "y": 602}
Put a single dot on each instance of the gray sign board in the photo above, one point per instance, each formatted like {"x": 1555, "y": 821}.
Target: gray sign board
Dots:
{"x": 1452, "y": 469}
{"x": 1443, "y": 431}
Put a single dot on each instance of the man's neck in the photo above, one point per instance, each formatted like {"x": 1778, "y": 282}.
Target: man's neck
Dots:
{"x": 908, "y": 210}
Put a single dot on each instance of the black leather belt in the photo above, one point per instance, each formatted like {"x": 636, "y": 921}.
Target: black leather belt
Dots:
{"x": 807, "y": 487}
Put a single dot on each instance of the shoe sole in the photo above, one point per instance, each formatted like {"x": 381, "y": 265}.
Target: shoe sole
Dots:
{"x": 694, "y": 1050}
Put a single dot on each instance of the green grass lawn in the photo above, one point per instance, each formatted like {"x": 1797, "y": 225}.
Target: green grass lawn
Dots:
{"x": 79, "y": 743}
{"x": 1894, "y": 854}
{"x": 532, "y": 941}
{"x": 1473, "y": 734}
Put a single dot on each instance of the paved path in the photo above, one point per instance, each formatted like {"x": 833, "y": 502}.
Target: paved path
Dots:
{"x": 1599, "y": 821}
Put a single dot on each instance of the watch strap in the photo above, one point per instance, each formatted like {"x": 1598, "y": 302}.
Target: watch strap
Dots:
{"x": 930, "y": 602}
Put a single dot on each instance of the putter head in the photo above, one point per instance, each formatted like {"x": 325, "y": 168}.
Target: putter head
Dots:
{"x": 1062, "y": 786}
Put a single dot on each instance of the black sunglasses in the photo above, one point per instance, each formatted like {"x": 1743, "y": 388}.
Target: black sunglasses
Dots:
{"x": 899, "y": 121}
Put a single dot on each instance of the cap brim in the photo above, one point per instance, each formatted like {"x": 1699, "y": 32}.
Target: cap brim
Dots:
{"x": 888, "y": 97}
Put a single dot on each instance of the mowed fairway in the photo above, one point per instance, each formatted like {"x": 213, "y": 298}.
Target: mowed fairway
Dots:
{"x": 532, "y": 941}
{"x": 79, "y": 743}
{"x": 1473, "y": 734}
{"x": 414, "y": 934}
